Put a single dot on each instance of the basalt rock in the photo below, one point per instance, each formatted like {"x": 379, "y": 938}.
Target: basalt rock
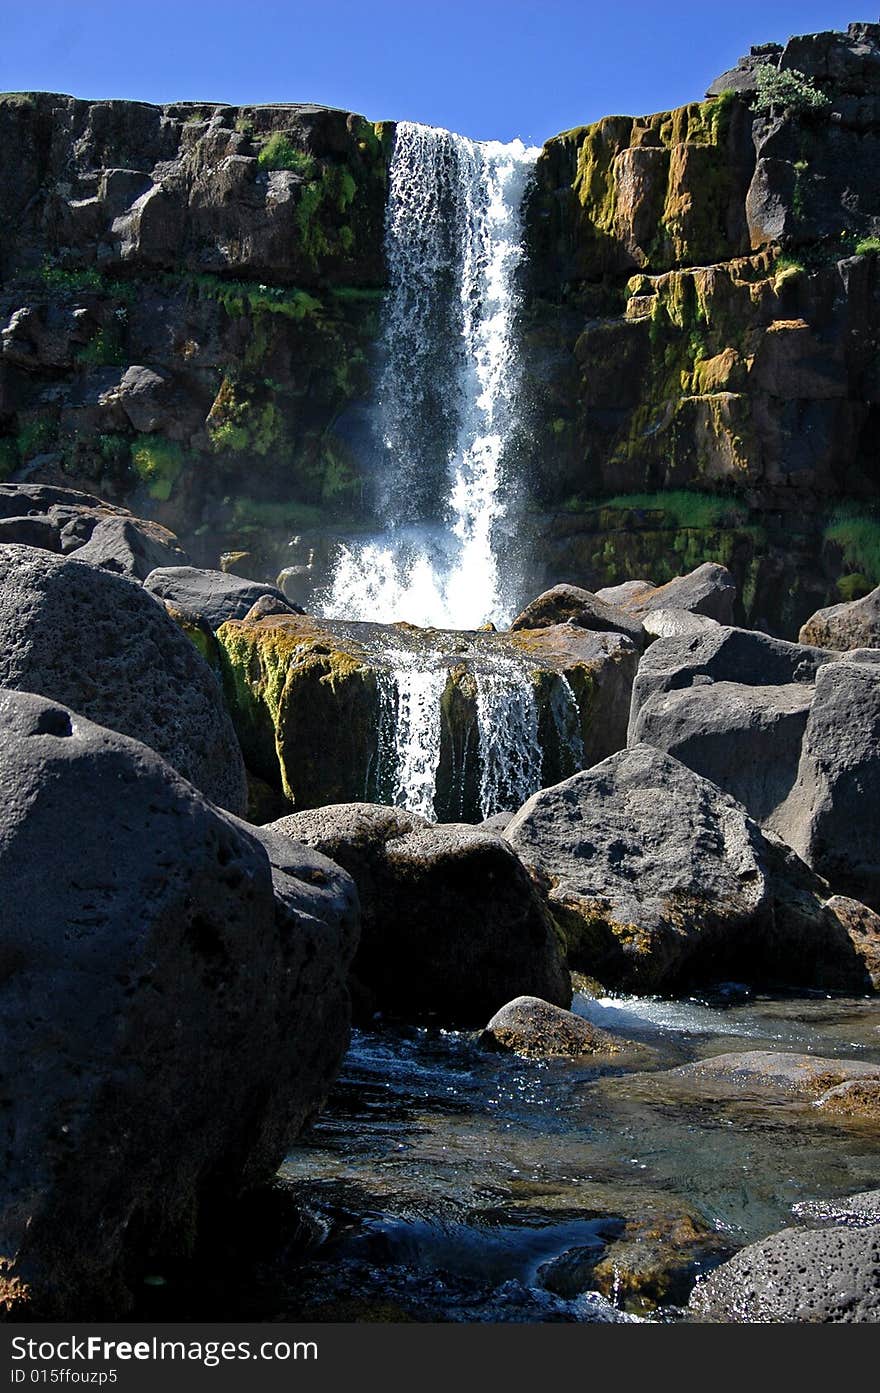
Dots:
{"x": 852, "y": 625}
{"x": 539, "y": 1030}
{"x": 659, "y": 879}
{"x": 804, "y": 1276}
{"x": 74, "y": 523}
{"x": 452, "y": 926}
{"x": 100, "y": 644}
{"x": 733, "y": 706}
{"x": 832, "y": 814}
{"x": 174, "y": 1010}
{"x": 710, "y": 590}
{"x": 315, "y": 703}
{"x": 214, "y": 595}
{"x": 567, "y": 604}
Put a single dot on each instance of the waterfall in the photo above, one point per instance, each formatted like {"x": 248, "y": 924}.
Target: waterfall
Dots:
{"x": 510, "y": 755}
{"x": 447, "y": 395}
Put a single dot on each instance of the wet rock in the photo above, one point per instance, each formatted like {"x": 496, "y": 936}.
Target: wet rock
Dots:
{"x": 853, "y": 1212}
{"x": 100, "y": 644}
{"x": 655, "y": 1262}
{"x": 451, "y": 923}
{"x": 805, "y": 1076}
{"x": 315, "y": 703}
{"x": 215, "y": 595}
{"x": 852, "y": 625}
{"x": 539, "y": 1030}
{"x": 804, "y": 1276}
{"x": 174, "y": 1011}
{"x": 832, "y": 815}
{"x": 658, "y": 878}
{"x": 568, "y": 604}
{"x": 857, "y": 1100}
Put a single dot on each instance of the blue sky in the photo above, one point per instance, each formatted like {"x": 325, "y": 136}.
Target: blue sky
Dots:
{"x": 492, "y": 69}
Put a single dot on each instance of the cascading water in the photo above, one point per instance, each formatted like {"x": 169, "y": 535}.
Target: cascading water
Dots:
{"x": 446, "y": 411}
{"x": 447, "y": 399}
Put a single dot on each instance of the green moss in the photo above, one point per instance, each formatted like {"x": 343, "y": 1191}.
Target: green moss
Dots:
{"x": 34, "y": 437}
{"x": 868, "y": 246}
{"x": 158, "y": 463}
{"x": 256, "y": 515}
{"x": 855, "y": 528}
{"x": 685, "y": 508}
{"x": 279, "y": 153}
{"x": 103, "y": 350}
{"x": 853, "y": 587}
{"x": 249, "y": 297}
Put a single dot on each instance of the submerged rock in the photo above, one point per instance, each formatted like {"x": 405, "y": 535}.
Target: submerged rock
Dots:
{"x": 657, "y": 878}
{"x": 808, "y": 1075}
{"x": 174, "y": 1010}
{"x": 99, "y": 643}
{"x": 539, "y": 1030}
{"x": 452, "y": 926}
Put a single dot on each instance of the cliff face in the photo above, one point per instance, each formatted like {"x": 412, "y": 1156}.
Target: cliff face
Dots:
{"x": 675, "y": 348}
{"x": 189, "y": 295}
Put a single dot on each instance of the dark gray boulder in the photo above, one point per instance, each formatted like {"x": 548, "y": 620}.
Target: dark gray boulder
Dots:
{"x": 626, "y": 591}
{"x": 710, "y": 590}
{"x": 852, "y": 625}
{"x": 169, "y": 1021}
{"x": 745, "y": 739}
{"x": 214, "y": 595}
{"x": 657, "y": 879}
{"x": 568, "y": 604}
{"x": 832, "y": 815}
{"x": 65, "y": 520}
{"x": 733, "y": 706}
{"x": 539, "y": 1030}
{"x": 798, "y": 1275}
{"x": 452, "y": 926}
{"x": 99, "y": 643}
{"x": 129, "y": 546}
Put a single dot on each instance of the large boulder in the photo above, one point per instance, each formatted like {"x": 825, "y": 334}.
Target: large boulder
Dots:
{"x": 169, "y": 1021}
{"x": 215, "y": 596}
{"x": 65, "y": 520}
{"x": 568, "y": 604}
{"x": 456, "y": 724}
{"x": 799, "y": 1275}
{"x": 852, "y": 625}
{"x": 99, "y": 643}
{"x": 733, "y": 706}
{"x": 451, "y": 924}
{"x": 832, "y": 814}
{"x": 710, "y": 590}
{"x": 657, "y": 879}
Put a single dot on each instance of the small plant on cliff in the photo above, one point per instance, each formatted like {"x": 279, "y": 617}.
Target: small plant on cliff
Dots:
{"x": 787, "y": 90}
{"x": 278, "y": 153}
{"x": 868, "y": 246}
{"x": 158, "y": 463}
